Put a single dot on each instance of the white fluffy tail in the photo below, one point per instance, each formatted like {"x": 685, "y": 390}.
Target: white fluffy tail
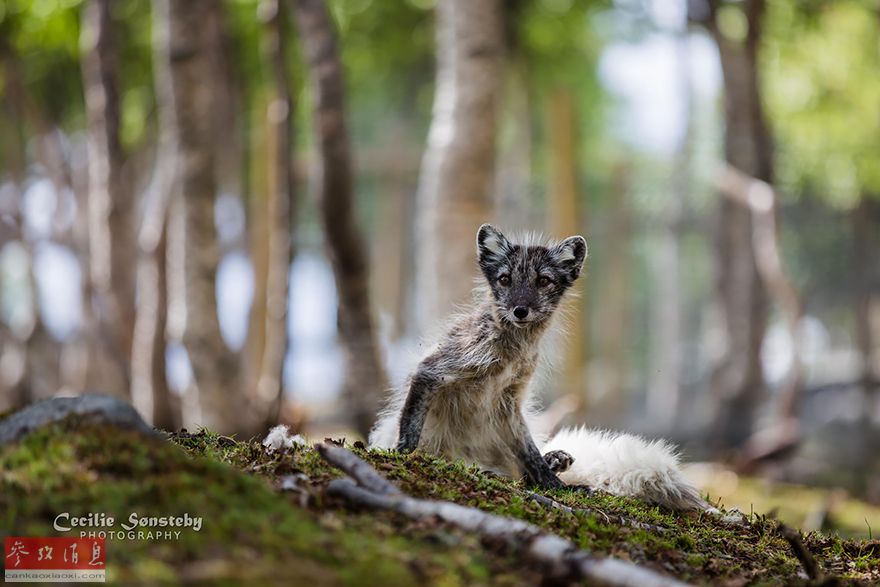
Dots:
{"x": 623, "y": 464}
{"x": 385, "y": 430}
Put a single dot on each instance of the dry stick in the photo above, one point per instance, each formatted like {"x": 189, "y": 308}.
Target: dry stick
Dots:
{"x": 562, "y": 558}
{"x": 357, "y": 468}
{"x": 800, "y": 550}
{"x": 552, "y": 503}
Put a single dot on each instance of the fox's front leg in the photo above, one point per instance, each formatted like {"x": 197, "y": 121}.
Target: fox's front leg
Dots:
{"x": 422, "y": 389}
{"x": 537, "y": 470}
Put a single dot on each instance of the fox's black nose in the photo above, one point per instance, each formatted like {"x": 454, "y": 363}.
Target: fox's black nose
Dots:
{"x": 520, "y": 312}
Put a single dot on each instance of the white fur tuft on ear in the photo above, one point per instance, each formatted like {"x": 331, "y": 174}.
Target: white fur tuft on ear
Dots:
{"x": 566, "y": 254}
{"x": 490, "y": 241}
{"x": 493, "y": 244}
{"x": 571, "y": 250}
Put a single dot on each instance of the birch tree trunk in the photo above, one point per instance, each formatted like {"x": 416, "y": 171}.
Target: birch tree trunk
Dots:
{"x": 514, "y": 199}
{"x": 279, "y": 116}
{"x": 456, "y": 185}
{"x": 111, "y": 245}
{"x": 737, "y": 380}
{"x": 150, "y": 393}
{"x": 149, "y": 386}
{"x": 365, "y": 380}
{"x": 214, "y": 387}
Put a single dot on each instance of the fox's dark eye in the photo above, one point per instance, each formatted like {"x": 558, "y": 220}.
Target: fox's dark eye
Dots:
{"x": 543, "y": 281}
{"x": 504, "y": 280}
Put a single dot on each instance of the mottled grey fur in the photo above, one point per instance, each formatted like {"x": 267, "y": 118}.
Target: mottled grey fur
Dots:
{"x": 466, "y": 399}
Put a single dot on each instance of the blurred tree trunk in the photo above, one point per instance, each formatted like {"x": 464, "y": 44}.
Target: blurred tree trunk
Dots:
{"x": 565, "y": 220}
{"x": 737, "y": 380}
{"x": 759, "y": 198}
{"x": 225, "y": 101}
{"x": 258, "y": 245}
{"x": 514, "y": 202}
{"x": 664, "y": 382}
{"x": 391, "y": 256}
{"x": 866, "y": 243}
{"x": 280, "y": 186}
{"x": 866, "y": 306}
{"x": 608, "y": 367}
{"x": 214, "y": 388}
{"x": 149, "y": 387}
{"x": 365, "y": 380}
{"x": 458, "y": 170}
{"x": 111, "y": 245}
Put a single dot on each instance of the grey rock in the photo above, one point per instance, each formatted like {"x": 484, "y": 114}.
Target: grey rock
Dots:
{"x": 94, "y": 407}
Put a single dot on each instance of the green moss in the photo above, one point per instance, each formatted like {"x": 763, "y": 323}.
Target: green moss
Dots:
{"x": 250, "y": 531}
{"x": 254, "y": 532}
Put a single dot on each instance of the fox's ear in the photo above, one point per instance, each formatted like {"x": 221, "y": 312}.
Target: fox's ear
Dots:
{"x": 570, "y": 255}
{"x": 491, "y": 245}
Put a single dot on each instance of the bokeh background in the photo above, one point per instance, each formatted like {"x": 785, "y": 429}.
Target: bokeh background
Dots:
{"x": 240, "y": 212}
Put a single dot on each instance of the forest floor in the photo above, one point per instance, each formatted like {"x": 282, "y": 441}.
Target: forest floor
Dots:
{"x": 261, "y": 528}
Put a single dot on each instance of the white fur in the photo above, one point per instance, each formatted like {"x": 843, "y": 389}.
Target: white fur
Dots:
{"x": 623, "y": 464}
{"x": 567, "y": 254}
{"x": 493, "y": 244}
{"x": 279, "y": 437}
{"x": 385, "y": 431}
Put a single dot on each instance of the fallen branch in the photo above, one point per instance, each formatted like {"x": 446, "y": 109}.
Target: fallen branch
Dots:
{"x": 809, "y": 563}
{"x": 561, "y": 557}
{"x": 356, "y": 468}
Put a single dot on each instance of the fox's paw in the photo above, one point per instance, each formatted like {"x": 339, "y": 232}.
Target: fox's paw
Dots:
{"x": 558, "y": 460}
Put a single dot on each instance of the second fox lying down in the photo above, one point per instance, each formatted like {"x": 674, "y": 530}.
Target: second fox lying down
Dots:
{"x": 469, "y": 398}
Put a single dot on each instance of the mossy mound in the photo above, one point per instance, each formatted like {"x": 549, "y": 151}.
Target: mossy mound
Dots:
{"x": 254, "y": 531}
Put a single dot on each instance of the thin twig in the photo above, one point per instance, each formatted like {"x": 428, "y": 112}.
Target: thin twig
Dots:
{"x": 809, "y": 563}
{"x": 609, "y": 518}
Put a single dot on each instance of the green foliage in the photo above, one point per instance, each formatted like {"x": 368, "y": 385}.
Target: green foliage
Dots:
{"x": 388, "y": 54}
{"x": 42, "y": 38}
{"x": 133, "y": 37}
{"x": 823, "y": 93}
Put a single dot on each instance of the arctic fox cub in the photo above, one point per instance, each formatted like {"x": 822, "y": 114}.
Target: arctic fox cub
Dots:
{"x": 469, "y": 398}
